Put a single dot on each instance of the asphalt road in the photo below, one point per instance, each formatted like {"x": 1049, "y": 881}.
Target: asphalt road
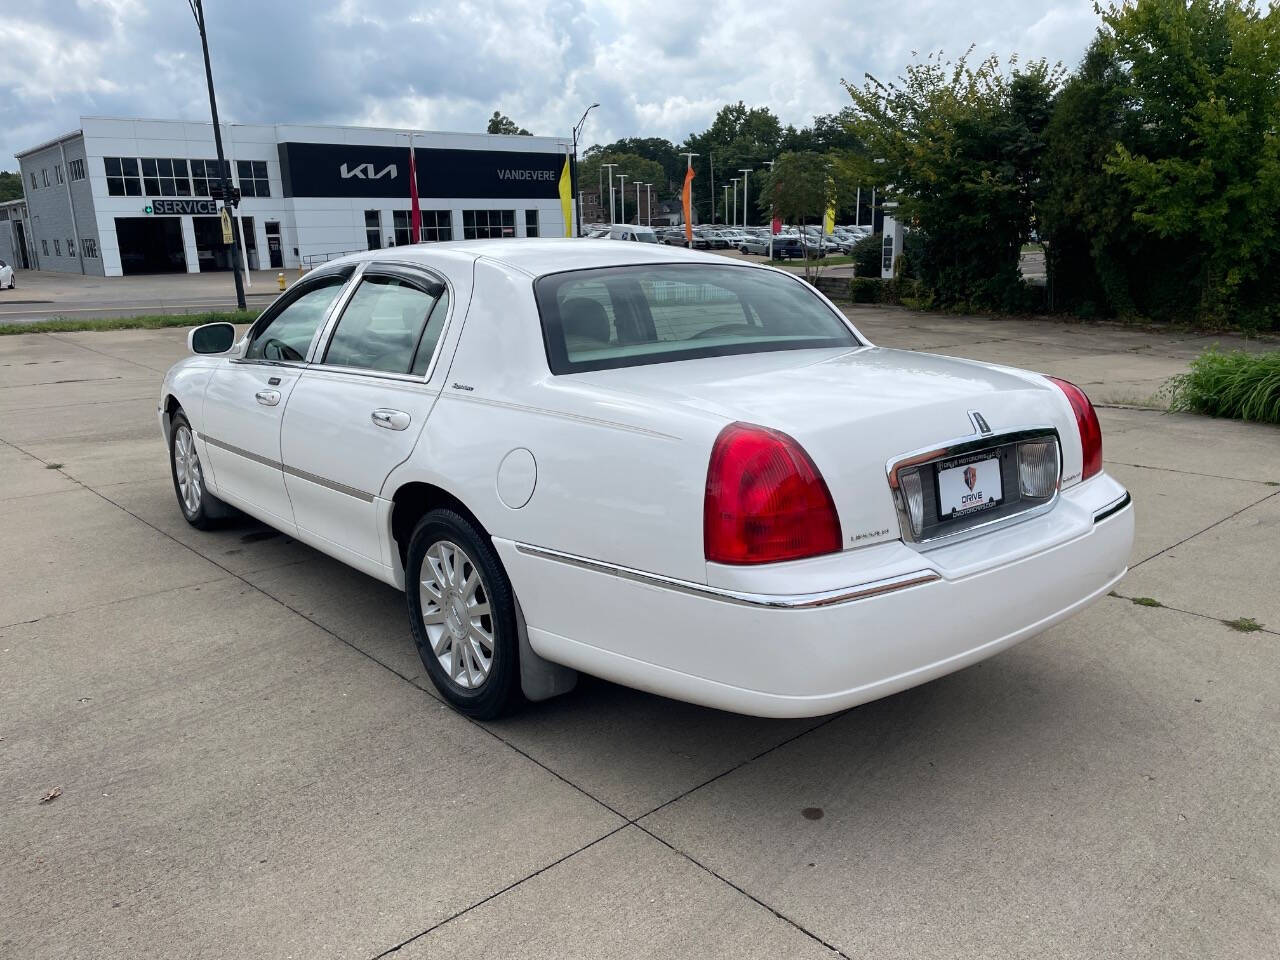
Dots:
{"x": 251, "y": 762}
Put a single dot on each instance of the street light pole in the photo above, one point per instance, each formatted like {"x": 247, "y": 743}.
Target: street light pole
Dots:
{"x": 622, "y": 195}
{"x": 648, "y": 201}
{"x": 726, "y": 203}
{"x": 769, "y": 164}
{"x": 573, "y": 171}
{"x": 638, "y": 186}
{"x": 610, "y": 166}
{"x": 734, "y": 181}
{"x": 197, "y": 11}
{"x": 745, "y": 174}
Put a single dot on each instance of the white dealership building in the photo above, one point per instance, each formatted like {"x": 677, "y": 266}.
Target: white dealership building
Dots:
{"x": 120, "y": 196}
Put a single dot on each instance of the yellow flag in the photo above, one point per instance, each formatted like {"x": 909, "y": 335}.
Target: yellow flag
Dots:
{"x": 829, "y": 218}
{"x": 566, "y": 198}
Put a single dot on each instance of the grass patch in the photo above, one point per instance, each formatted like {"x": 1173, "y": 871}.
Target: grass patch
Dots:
{"x": 1244, "y": 624}
{"x": 1146, "y": 601}
{"x": 1240, "y": 385}
{"x": 145, "y": 322}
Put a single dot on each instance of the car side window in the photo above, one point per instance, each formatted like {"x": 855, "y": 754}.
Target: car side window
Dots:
{"x": 287, "y": 335}
{"x": 382, "y": 325}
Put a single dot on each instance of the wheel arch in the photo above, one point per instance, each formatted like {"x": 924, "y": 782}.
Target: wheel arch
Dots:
{"x": 411, "y": 501}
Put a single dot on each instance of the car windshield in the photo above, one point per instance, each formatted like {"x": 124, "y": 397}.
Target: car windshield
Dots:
{"x": 646, "y": 238}
{"x": 633, "y": 315}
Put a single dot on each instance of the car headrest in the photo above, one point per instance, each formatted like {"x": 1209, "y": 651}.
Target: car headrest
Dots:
{"x": 583, "y": 317}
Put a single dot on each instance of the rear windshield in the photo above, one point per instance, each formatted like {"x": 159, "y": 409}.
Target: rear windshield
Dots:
{"x": 628, "y": 316}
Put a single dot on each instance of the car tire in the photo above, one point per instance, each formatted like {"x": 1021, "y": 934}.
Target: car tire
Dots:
{"x": 451, "y": 572}
{"x": 199, "y": 507}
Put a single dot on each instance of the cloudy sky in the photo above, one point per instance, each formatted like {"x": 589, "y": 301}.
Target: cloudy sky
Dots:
{"x": 657, "y": 67}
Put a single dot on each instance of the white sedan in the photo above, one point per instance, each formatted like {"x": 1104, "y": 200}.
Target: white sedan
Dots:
{"x": 678, "y": 472}
{"x": 7, "y": 281}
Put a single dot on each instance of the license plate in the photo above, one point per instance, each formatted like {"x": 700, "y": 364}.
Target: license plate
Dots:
{"x": 969, "y": 486}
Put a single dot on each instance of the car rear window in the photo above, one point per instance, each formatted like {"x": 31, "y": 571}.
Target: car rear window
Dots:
{"x": 627, "y": 316}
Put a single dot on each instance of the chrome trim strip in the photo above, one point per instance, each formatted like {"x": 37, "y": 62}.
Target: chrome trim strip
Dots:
{"x": 240, "y": 452}
{"x": 546, "y": 412}
{"x": 794, "y": 601}
{"x": 1112, "y": 508}
{"x": 291, "y": 471}
{"x": 958, "y": 447}
{"x": 329, "y": 484}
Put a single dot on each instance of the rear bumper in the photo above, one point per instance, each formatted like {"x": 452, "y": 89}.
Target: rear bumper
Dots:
{"x": 902, "y": 617}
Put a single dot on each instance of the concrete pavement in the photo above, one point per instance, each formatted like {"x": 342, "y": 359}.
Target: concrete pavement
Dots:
{"x": 252, "y": 762}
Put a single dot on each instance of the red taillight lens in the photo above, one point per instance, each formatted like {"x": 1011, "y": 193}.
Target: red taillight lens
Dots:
{"x": 766, "y": 501}
{"x": 1087, "y": 423}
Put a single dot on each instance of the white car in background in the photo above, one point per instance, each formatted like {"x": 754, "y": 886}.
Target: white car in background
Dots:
{"x": 682, "y": 473}
{"x": 7, "y": 279}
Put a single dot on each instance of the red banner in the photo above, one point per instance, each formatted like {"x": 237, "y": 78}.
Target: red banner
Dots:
{"x": 776, "y": 225}
{"x": 415, "y": 214}
{"x": 686, "y": 197}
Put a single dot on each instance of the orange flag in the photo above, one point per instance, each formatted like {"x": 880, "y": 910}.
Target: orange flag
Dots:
{"x": 686, "y": 195}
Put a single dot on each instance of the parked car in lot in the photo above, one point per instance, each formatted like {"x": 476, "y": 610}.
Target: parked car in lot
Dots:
{"x": 754, "y": 244}
{"x": 786, "y": 522}
{"x": 677, "y": 239}
{"x": 7, "y": 279}
{"x": 627, "y": 231}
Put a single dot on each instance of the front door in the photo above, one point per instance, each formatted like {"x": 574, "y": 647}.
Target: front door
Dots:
{"x": 274, "y": 250}
{"x": 358, "y": 409}
{"x": 246, "y": 398}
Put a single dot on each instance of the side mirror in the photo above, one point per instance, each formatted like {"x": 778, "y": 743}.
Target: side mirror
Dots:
{"x": 212, "y": 338}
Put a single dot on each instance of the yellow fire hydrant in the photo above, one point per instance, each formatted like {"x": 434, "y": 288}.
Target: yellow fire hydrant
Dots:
{"x": 280, "y": 279}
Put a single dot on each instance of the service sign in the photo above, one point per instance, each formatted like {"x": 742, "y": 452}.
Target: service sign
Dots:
{"x": 351, "y": 170}
{"x": 177, "y": 208}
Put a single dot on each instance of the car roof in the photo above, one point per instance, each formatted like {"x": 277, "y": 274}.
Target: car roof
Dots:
{"x": 534, "y": 257}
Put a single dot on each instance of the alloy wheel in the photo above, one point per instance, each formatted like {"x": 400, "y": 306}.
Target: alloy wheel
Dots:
{"x": 456, "y": 614}
{"x": 186, "y": 467}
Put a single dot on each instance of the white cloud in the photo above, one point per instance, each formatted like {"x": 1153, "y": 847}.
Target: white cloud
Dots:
{"x": 661, "y": 68}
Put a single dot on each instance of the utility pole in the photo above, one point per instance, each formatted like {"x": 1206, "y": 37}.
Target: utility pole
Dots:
{"x": 734, "y": 181}
{"x": 648, "y": 193}
{"x": 573, "y": 171}
{"x": 197, "y": 11}
{"x": 726, "y": 203}
{"x": 745, "y": 174}
{"x": 622, "y": 195}
{"x": 610, "y": 166}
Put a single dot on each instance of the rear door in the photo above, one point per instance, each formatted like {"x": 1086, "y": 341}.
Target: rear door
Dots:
{"x": 358, "y": 409}
{"x": 246, "y": 397}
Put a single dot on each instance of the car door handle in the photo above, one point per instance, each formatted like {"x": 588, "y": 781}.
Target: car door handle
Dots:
{"x": 268, "y": 398}
{"x": 390, "y": 419}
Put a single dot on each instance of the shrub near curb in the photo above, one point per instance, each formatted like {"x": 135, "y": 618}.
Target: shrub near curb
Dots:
{"x": 1244, "y": 386}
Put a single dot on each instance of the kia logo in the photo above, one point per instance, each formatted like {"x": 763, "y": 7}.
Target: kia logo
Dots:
{"x": 365, "y": 171}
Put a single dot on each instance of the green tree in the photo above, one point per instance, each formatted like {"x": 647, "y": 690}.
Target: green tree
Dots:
{"x": 500, "y": 123}
{"x": 1204, "y": 172}
{"x": 800, "y": 188}
{"x": 10, "y": 186}
{"x": 959, "y": 147}
{"x": 740, "y": 137}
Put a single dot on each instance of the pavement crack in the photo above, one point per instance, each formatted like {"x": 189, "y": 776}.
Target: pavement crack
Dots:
{"x": 1189, "y": 473}
{"x": 1161, "y": 605}
{"x": 1230, "y": 516}
{"x": 750, "y": 896}
{"x": 497, "y": 893}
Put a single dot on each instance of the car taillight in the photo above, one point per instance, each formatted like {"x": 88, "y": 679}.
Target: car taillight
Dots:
{"x": 1087, "y": 424}
{"x": 765, "y": 500}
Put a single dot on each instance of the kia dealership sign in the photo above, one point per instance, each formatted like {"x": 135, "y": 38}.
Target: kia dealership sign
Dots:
{"x": 345, "y": 170}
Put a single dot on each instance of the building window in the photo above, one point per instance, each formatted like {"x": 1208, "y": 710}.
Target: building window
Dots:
{"x": 486, "y": 224}
{"x": 57, "y": 172}
{"x": 400, "y": 223}
{"x": 122, "y": 176}
{"x": 44, "y": 244}
{"x": 90, "y": 248}
{"x": 76, "y": 169}
{"x": 71, "y": 247}
{"x": 531, "y": 223}
{"x": 33, "y": 180}
{"x": 57, "y": 247}
{"x": 44, "y": 175}
{"x": 436, "y": 225}
{"x": 164, "y": 177}
{"x": 253, "y": 178}
{"x": 205, "y": 171}
{"x": 373, "y": 229}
